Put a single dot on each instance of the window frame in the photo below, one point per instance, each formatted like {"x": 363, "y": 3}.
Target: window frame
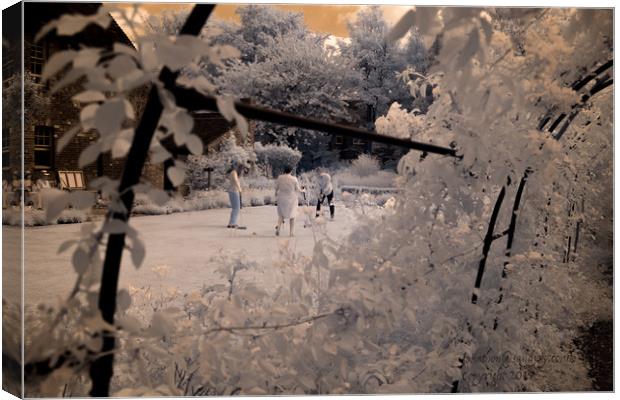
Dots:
{"x": 47, "y": 146}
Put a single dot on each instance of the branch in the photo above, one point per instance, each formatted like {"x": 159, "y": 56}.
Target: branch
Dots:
{"x": 195, "y": 101}
{"x": 488, "y": 240}
{"x": 101, "y": 369}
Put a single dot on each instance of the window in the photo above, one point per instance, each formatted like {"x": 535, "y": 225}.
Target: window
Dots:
{"x": 6, "y": 143}
{"x": 43, "y": 146}
{"x": 359, "y": 142}
{"x": 339, "y": 140}
{"x": 37, "y": 59}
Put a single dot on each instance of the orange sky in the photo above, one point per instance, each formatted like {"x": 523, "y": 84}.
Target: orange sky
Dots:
{"x": 319, "y": 18}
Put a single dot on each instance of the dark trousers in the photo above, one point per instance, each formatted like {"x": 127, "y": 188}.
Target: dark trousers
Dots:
{"x": 330, "y": 201}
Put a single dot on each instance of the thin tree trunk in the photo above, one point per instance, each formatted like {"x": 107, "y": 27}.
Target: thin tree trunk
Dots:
{"x": 488, "y": 240}
{"x": 102, "y": 368}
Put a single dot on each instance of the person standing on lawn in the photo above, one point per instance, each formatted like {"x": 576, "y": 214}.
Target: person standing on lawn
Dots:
{"x": 234, "y": 194}
{"x": 326, "y": 191}
{"x": 287, "y": 192}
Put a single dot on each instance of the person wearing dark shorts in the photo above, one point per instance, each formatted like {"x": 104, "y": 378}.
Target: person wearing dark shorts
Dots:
{"x": 326, "y": 193}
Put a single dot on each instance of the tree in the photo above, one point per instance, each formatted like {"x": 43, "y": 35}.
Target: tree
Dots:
{"x": 34, "y": 96}
{"x": 260, "y": 26}
{"x": 275, "y": 158}
{"x": 227, "y": 154}
{"x": 298, "y": 76}
{"x": 380, "y": 61}
{"x": 388, "y": 308}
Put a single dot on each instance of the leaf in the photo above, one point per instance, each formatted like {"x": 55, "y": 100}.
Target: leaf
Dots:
{"x": 200, "y": 83}
{"x": 160, "y": 155}
{"x": 470, "y": 49}
{"x": 296, "y": 285}
{"x": 69, "y": 78}
{"x": 121, "y": 65}
{"x": 138, "y": 252}
{"x": 66, "y": 245}
{"x": 487, "y": 28}
{"x": 178, "y": 121}
{"x": 123, "y": 299}
{"x": 129, "y": 111}
{"x": 70, "y": 24}
{"x": 45, "y": 30}
{"x": 132, "y": 80}
{"x": 115, "y": 226}
{"x": 94, "y": 343}
{"x": 122, "y": 144}
{"x": 90, "y": 154}
{"x": 87, "y": 58}
{"x": 80, "y": 260}
{"x": 160, "y": 197}
{"x": 89, "y": 96}
{"x": 176, "y": 175}
{"x": 81, "y": 199}
{"x": 404, "y": 24}
{"x": 66, "y": 138}
{"x": 129, "y": 323}
{"x": 110, "y": 116}
{"x": 124, "y": 49}
{"x": 58, "y": 203}
{"x": 194, "y": 144}
{"x": 162, "y": 324}
{"x": 57, "y": 62}
{"x": 226, "y": 107}
{"x": 87, "y": 116}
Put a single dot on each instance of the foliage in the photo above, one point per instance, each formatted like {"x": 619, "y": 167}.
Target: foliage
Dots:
{"x": 34, "y": 97}
{"x": 33, "y": 217}
{"x": 259, "y": 28}
{"x": 387, "y": 310}
{"x": 380, "y": 61}
{"x": 227, "y": 154}
{"x": 296, "y": 75}
{"x": 202, "y": 200}
{"x": 365, "y": 165}
{"x": 274, "y": 158}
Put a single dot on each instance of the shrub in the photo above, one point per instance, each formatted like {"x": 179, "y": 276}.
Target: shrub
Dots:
{"x": 200, "y": 200}
{"x": 11, "y": 216}
{"x": 220, "y": 161}
{"x": 365, "y": 165}
{"x": 274, "y": 158}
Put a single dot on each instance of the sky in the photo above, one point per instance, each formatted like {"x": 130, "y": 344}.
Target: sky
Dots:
{"x": 327, "y": 19}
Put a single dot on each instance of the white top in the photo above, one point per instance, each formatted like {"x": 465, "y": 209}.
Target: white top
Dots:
{"x": 287, "y": 189}
{"x": 325, "y": 183}
{"x": 233, "y": 182}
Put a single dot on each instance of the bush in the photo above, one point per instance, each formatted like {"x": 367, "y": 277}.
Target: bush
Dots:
{"x": 380, "y": 179}
{"x": 201, "y": 200}
{"x": 11, "y": 216}
{"x": 274, "y": 158}
{"x": 365, "y": 165}
{"x": 228, "y": 153}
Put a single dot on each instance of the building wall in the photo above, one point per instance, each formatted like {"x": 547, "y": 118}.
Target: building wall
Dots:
{"x": 62, "y": 113}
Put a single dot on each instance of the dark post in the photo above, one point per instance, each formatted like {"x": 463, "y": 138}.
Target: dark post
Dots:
{"x": 101, "y": 368}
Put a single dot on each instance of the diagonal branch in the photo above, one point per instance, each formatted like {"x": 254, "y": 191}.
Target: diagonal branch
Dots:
{"x": 488, "y": 240}
{"x": 196, "y": 101}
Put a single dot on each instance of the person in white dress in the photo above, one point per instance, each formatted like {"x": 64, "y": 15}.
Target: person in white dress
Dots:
{"x": 287, "y": 197}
